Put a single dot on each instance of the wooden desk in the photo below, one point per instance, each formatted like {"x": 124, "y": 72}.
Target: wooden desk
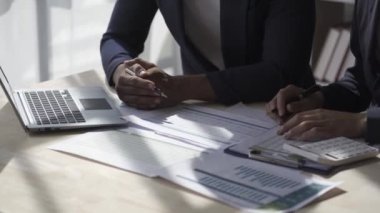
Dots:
{"x": 36, "y": 179}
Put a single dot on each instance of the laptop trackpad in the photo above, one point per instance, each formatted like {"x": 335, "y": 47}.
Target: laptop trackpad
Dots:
{"x": 95, "y": 104}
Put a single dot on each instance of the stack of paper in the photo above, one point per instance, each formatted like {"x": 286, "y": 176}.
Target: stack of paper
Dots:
{"x": 185, "y": 145}
{"x": 203, "y": 127}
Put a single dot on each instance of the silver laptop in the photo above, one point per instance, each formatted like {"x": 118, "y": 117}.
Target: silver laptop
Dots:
{"x": 58, "y": 109}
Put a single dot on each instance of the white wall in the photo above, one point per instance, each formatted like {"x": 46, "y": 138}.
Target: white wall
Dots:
{"x": 46, "y": 39}
{"x": 18, "y": 40}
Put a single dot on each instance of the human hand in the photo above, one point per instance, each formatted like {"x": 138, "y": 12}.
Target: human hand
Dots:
{"x": 177, "y": 88}
{"x": 287, "y": 102}
{"x": 154, "y": 88}
{"x": 320, "y": 124}
{"x": 132, "y": 88}
{"x": 170, "y": 87}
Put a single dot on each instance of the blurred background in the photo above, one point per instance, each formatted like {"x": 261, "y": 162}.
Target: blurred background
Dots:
{"x": 47, "y": 39}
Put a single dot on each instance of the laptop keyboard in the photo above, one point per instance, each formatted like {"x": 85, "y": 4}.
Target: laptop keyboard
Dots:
{"x": 53, "y": 107}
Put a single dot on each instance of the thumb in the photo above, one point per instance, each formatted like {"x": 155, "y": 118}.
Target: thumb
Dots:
{"x": 143, "y": 74}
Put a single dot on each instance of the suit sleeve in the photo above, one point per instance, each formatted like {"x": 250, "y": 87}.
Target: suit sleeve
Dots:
{"x": 352, "y": 93}
{"x": 286, "y": 47}
{"x": 126, "y": 33}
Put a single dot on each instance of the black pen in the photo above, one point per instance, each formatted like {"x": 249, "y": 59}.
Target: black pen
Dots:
{"x": 157, "y": 90}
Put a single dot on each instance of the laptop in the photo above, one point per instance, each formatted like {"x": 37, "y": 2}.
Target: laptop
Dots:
{"x": 42, "y": 110}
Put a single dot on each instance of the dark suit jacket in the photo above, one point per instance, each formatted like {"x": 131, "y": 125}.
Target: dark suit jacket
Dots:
{"x": 360, "y": 86}
{"x": 266, "y": 44}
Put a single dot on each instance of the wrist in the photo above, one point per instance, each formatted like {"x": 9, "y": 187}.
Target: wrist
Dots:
{"x": 194, "y": 87}
{"x": 117, "y": 73}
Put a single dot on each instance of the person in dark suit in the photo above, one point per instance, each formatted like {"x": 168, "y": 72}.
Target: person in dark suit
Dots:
{"x": 232, "y": 51}
{"x": 351, "y": 105}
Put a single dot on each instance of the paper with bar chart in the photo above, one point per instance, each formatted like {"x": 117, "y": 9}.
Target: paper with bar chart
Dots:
{"x": 246, "y": 184}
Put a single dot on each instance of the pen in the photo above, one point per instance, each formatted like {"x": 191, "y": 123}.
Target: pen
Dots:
{"x": 157, "y": 90}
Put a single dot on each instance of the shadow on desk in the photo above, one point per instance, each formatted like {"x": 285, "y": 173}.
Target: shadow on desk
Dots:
{"x": 27, "y": 165}
{"x": 15, "y": 152}
{"x": 371, "y": 171}
{"x": 12, "y": 134}
{"x": 167, "y": 196}
{"x": 24, "y": 168}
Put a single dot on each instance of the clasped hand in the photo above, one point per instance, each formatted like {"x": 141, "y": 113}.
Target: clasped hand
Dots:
{"x": 141, "y": 84}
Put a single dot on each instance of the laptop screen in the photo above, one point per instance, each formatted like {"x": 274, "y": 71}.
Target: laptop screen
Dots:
{"x": 7, "y": 88}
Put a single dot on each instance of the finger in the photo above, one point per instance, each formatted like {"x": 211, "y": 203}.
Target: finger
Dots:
{"x": 145, "y": 64}
{"x": 137, "y": 69}
{"x": 130, "y": 90}
{"x": 155, "y": 72}
{"x": 282, "y": 120}
{"x": 284, "y": 96}
{"x": 131, "y": 62}
{"x": 293, "y": 122}
{"x": 156, "y": 75}
{"x": 274, "y": 116}
{"x": 135, "y": 81}
{"x": 281, "y": 102}
{"x": 298, "y": 106}
{"x": 315, "y": 134}
{"x": 300, "y": 129}
{"x": 271, "y": 105}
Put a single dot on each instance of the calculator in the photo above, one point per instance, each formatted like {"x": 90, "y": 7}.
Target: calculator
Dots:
{"x": 332, "y": 152}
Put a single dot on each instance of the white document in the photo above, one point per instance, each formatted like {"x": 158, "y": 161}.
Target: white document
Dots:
{"x": 126, "y": 110}
{"x": 203, "y": 127}
{"x": 246, "y": 184}
{"x": 143, "y": 155}
{"x": 247, "y": 111}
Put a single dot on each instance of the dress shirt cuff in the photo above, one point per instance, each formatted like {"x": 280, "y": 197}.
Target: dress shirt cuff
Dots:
{"x": 373, "y": 126}
{"x": 224, "y": 93}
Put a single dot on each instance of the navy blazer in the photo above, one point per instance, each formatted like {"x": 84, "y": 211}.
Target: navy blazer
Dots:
{"x": 266, "y": 44}
{"x": 360, "y": 86}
